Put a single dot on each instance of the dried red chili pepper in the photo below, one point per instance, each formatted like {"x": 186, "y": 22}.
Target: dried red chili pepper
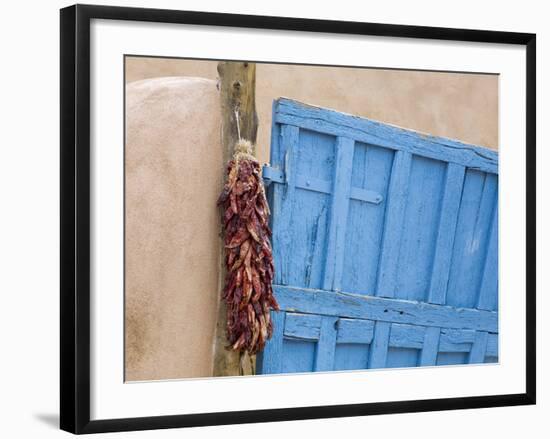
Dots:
{"x": 248, "y": 293}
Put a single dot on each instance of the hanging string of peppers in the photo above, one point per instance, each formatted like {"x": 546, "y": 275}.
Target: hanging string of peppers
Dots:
{"x": 248, "y": 293}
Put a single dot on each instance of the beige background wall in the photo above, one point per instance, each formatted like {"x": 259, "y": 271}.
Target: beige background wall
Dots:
{"x": 459, "y": 106}
{"x": 173, "y": 175}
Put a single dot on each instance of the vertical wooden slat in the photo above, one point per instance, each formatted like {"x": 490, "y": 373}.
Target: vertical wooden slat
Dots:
{"x": 483, "y": 228}
{"x": 430, "y": 348}
{"x": 271, "y": 359}
{"x": 446, "y": 233}
{"x": 283, "y": 202}
{"x": 341, "y": 186}
{"x": 487, "y": 204}
{"x": 472, "y": 239}
{"x": 479, "y": 347}
{"x": 326, "y": 346}
{"x": 395, "y": 212}
{"x": 380, "y": 344}
{"x": 488, "y": 292}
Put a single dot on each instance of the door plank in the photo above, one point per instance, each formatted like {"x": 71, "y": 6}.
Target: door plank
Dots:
{"x": 339, "y": 207}
{"x": 283, "y": 204}
{"x": 271, "y": 358}
{"x": 397, "y": 199}
{"x": 428, "y": 356}
{"x": 479, "y": 348}
{"x": 446, "y": 233}
{"x": 472, "y": 239}
{"x": 388, "y": 136}
{"x": 380, "y": 344}
{"x": 488, "y": 292}
{"x": 356, "y": 306}
{"x": 327, "y": 345}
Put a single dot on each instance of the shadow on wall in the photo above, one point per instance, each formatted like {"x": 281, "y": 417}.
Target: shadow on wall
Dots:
{"x": 51, "y": 420}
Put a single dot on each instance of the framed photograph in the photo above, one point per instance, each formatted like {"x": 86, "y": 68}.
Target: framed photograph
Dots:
{"x": 268, "y": 218}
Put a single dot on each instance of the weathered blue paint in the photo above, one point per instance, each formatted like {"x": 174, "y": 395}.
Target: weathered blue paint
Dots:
{"x": 479, "y": 202}
{"x": 488, "y": 291}
{"x": 334, "y": 123}
{"x": 446, "y": 233}
{"x": 324, "y": 359}
{"x": 385, "y": 244}
{"x": 366, "y": 221}
{"x": 304, "y": 326}
{"x": 380, "y": 345}
{"x": 271, "y": 360}
{"x": 393, "y": 228}
{"x": 479, "y": 348}
{"x": 355, "y": 331}
{"x": 430, "y": 346}
{"x": 419, "y": 229}
{"x": 339, "y": 207}
{"x": 343, "y": 304}
{"x": 314, "y": 184}
{"x": 351, "y": 356}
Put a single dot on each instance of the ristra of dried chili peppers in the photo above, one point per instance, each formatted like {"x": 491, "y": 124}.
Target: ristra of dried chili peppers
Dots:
{"x": 248, "y": 293}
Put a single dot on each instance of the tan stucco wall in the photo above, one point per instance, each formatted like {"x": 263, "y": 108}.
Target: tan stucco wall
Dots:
{"x": 173, "y": 158}
{"x": 173, "y": 176}
{"x": 459, "y": 106}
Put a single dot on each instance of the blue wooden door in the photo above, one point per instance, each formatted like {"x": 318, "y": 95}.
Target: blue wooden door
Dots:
{"x": 385, "y": 244}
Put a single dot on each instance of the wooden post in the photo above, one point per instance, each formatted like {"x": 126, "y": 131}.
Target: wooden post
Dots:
{"x": 237, "y": 85}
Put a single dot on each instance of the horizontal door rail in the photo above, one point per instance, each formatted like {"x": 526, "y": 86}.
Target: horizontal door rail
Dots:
{"x": 348, "y": 305}
{"x": 308, "y": 327}
{"x": 375, "y": 133}
{"x": 274, "y": 175}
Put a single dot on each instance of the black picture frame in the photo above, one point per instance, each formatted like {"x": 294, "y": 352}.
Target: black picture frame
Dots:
{"x": 75, "y": 217}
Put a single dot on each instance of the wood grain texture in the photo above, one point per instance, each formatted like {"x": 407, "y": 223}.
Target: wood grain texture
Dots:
{"x": 305, "y": 326}
{"x": 355, "y": 331}
{"x": 283, "y": 200}
{"x": 472, "y": 235}
{"x": 430, "y": 348}
{"x": 389, "y": 136}
{"x": 270, "y": 360}
{"x": 378, "y": 308}
{"x": 339, "y": 206}
{"x": 414, "y": 261}
{"x": 407, "y": 336}
{"x": 488, "y": 291}
{"x": 393, "y": 227}
{"x": 380, "y": 345}
{"x": 479, "y": 348}
{"x": 237, "y": 85}
{"x": 446, "y": 233}
{"x": 326, "y": 346}
{"x": 386, "y": 244}
{"x": 371, "y": 171}
{"x": 272, "y": 174}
